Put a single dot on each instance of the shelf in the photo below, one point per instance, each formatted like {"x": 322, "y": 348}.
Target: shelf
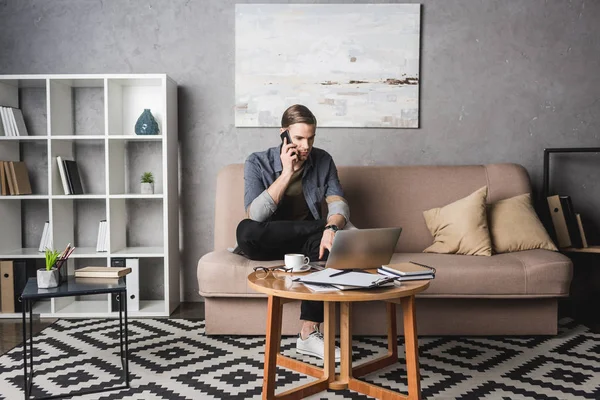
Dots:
{"x": 98, "y": 308}
{"x": 78, "y": 137}
{"x": 139, "y": 252}
{"x": 590, "y": 249}
{"x": 90, "y": 119}
{"x": 23, "y": 253}
{"x": 40, "y": 307}
{"x": 78, "y": 196}
{"x": 136, "y": 196}
{"x": 91, "y": 308}
{"x": 154, "y": 307}
{"x": 88, "y": 252}
{"x": 23, "y": 138}
{"x": 26, "y": 197}
{"x": 141, "y": 138}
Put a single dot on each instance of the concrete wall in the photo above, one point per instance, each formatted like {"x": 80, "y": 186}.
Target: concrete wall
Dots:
{"x": 500, "y": 81}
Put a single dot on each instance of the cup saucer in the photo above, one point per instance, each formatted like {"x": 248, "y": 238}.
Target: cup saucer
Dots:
{"x": 304, "y": 268}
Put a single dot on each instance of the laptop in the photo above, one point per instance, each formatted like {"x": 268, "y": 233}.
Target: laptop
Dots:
{"x": 361, "y": 248}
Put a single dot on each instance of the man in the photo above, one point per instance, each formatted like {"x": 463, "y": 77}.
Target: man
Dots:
{"x": 284, "y": 188}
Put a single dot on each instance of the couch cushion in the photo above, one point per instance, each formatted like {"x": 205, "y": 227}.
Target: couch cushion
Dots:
{"x": 460, "y": 227}
{"x": 221, "y": 273}
{"x": 531, "y": 273}
{"x": 515, "y": 226}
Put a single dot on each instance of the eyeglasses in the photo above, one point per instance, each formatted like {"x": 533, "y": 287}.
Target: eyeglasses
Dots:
{"x": 262, "y": 271}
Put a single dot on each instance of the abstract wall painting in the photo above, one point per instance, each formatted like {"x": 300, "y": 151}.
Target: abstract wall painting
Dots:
{"x": 353, "y": 65}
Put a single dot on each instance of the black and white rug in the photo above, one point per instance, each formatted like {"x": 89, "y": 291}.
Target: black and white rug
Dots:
{"x": 173, "y": 359}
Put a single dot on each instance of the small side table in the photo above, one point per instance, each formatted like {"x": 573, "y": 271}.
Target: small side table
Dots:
{"x": 280, "y": 289}
{"x": 72, "y": 287}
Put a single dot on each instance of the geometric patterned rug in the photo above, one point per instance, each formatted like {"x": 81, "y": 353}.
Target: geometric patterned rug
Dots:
{"x": 173, "y": 359}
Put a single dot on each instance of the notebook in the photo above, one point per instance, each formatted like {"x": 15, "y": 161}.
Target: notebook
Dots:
{"x": 409, "y": 269}
{"x": 348, "y": 280}
{"x": 101, "y": 272}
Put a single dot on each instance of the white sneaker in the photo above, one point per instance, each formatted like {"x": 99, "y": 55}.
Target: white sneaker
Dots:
{"x": 314, "y": 345}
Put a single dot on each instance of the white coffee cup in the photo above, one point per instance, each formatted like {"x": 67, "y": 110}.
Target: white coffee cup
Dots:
{"x": 297, "y": 262}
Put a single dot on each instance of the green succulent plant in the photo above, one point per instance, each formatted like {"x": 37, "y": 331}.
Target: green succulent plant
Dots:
{"x": 51, "y": 257}
{"x": 147, "y": 177}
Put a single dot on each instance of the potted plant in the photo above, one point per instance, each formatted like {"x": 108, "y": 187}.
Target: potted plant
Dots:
{"x": 147, "y": 183}
{"x": 50, "y": 276}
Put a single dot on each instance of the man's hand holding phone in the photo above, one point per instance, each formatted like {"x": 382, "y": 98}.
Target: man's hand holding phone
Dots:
{"x": 289, "y": 157}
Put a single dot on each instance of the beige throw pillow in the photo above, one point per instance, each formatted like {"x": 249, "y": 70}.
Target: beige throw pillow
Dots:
{"x": 514, "y": 226}
{"x": 460, "y": 227}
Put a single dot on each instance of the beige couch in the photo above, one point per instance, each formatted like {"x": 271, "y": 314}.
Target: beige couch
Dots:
{"x": 505, "y": 294}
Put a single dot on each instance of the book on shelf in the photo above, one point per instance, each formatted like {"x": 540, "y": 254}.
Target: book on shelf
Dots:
{"x": 19, "y": 122}
{"x": 133, "y": 284}
{"x": 559, "y": 221}
{"x": 102, "y": 240}
{"x": 22, "y": 271}
{"x": 99, "y": 238}
{"x": 101, "y": 272}
{"x": 73, "y": 177}
{"x": 20, "y": 177}
{"x": 567, "y": 223}
{"x": 12, "y": 122}
{"x": 409, "y": 269}
{"x": 584, "y": 242}
{"x": 14, "y": 275}
{"x": 3, "y": 184}
{"x": 46, "y": 240}
{"x": 571, "y": 221}
{"x": 8, "y": 177}
{"x": 69, "y": 176}
{"x": 7, "y": 287}
{"x": 5, "y": 122}
{"x": 14, "y": 178}
{"x": 63, "y": 174}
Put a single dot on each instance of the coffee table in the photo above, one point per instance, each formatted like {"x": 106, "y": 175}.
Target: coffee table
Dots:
{"x": 280, "y": 289}
{"x": 73, "y": 287}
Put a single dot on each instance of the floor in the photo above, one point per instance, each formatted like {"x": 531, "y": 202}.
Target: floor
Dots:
{"x": 11, "y": 330}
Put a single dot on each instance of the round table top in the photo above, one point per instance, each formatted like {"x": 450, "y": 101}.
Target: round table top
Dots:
{"x": 281, "y": 284}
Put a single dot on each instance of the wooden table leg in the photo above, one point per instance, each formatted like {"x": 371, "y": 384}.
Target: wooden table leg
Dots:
{"x": 329, "y": 335}
{"x": 391, "y": 357}
{"x": 272, "y": 347}
{"x": 411, "y": 346}
{"x": 392, "y": 331}
{"x": 345, "y": 348}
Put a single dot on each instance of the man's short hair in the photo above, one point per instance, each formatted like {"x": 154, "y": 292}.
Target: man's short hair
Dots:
{"x": 298, "y": 114}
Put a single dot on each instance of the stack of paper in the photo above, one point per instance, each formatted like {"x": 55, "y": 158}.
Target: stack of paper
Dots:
{"x": 344, "y": 280}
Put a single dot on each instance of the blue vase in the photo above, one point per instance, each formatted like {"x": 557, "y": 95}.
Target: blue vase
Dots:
{"x": 146, "y": 124}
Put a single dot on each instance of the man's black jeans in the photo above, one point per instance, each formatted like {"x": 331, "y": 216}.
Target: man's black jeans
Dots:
{"x": 272, "y": 240}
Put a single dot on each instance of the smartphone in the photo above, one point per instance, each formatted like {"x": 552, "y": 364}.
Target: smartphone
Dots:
{"x": 286, "y": 135}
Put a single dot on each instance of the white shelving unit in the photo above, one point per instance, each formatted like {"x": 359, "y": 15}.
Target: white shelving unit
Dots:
{"x": 91, "y": 119}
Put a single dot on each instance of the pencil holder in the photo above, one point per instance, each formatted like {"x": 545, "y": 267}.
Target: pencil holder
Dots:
{"x": 48, "y": 279}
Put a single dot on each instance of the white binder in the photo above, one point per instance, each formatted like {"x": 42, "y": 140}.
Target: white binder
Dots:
{"x": 133, "y": 284}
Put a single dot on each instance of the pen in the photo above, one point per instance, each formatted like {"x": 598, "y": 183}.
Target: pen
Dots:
{"x": 340, "y": 273}
{"x": 420, "y": 265}
{"x": 423, "y": 265}
{"x": 66, "y": 257}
